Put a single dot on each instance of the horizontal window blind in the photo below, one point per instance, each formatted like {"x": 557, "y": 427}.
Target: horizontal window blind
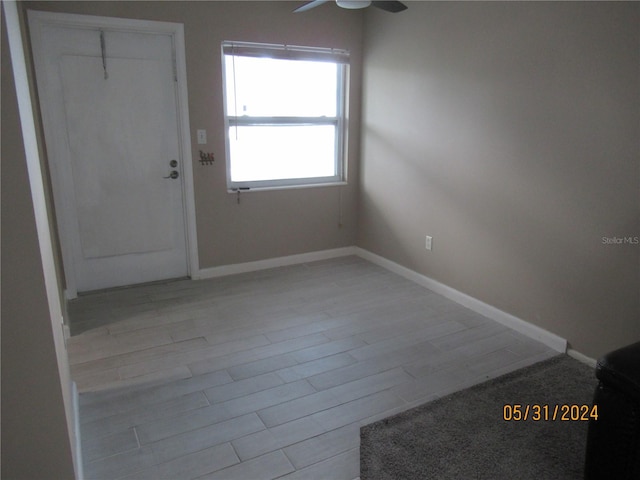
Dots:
{"x": 285, "y": 52}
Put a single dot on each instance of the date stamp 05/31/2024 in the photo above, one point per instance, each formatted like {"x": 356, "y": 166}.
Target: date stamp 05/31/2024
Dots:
{"x": 549, "y": 413}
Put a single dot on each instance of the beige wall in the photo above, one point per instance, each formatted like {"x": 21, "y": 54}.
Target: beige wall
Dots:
{"x": 265, "y": 224}
{"x": 36, "y": 408}
{"x": 509, "y": 132}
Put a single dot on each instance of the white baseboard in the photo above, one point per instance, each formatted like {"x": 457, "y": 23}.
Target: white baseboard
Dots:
{"x": 66, "y": 331}
{"x": 582, "y": 358}
{"x": 552, "y": 340}
{"x": 272, "y": 263}
{"x": 79, "y": 466}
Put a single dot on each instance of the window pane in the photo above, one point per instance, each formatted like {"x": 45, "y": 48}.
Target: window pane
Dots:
{"x": 280, "y": 152}
{"x": 265, "y": 87}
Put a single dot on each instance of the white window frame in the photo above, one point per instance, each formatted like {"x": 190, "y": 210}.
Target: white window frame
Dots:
{"x": 341, "y": 58}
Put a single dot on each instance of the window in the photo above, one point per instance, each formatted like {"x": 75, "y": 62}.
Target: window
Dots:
{"x": 284, "y": 115}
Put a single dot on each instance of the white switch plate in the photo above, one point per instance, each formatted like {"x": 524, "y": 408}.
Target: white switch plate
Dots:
{"x": 429, "y": 242}
{"x": 202, "y": 137}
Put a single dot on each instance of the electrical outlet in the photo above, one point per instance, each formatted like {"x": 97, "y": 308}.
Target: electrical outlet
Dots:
{"x": 429, "y": 243}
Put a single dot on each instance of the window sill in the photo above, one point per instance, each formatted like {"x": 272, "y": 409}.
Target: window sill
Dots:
{"x": 286, "y": 187}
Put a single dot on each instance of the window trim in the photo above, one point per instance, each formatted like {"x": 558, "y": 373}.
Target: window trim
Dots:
{"x": 289, "y": 52}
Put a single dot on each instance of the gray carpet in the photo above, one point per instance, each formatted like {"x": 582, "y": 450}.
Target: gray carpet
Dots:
{"x": 464, "y": 436}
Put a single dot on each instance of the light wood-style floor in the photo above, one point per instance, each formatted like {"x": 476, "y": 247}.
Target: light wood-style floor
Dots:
{"x": 269, "y": 374}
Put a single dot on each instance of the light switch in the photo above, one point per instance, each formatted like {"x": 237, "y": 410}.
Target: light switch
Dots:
{"x": 202, "y": 137}
{"x": 429, "y": 243}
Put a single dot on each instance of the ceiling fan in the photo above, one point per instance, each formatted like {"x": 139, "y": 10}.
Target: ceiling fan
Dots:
{"x": 388, "y": 6}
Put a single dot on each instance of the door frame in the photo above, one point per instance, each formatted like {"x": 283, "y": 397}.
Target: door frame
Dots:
{"x": 38, "y": 21}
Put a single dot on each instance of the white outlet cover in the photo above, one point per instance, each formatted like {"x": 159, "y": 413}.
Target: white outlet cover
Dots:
{"x": 202, "y": 137}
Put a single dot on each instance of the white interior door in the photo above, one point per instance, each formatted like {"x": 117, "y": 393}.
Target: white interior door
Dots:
{"x": 111, "y": 126}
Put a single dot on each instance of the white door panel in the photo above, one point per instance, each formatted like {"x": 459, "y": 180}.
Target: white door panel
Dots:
{"x": 123, "y": 203}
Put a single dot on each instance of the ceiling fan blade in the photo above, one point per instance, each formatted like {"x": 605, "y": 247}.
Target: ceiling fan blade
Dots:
{"x": 390, "y": 6}
{"x": 309, "y": 5}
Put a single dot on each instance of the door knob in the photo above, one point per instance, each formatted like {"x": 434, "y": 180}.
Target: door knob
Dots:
{"x": 173, "y": 175}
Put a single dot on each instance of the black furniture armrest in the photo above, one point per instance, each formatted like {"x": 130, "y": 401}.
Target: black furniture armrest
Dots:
{"x": 613, "y": 440}
{"x": 621, "y": 370}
